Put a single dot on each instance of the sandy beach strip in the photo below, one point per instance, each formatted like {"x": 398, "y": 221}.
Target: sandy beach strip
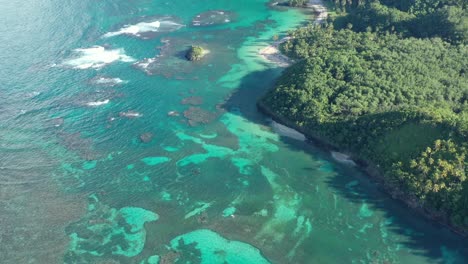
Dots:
{"x": 272, "y": 53}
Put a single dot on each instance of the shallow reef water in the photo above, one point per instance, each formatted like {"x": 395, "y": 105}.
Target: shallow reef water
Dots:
{"x": 106, "y": 230}
{"x": 115, "y": 149}
{"x": 214, "y": 248}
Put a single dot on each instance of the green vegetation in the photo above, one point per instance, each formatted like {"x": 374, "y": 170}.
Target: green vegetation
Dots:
{"x": 447, "y": 19}
{"x": 381, "y": 90}
{"x": 195, "y": 53}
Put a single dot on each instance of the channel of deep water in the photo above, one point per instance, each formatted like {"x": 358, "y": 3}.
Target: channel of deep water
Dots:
{"x": 116, "y": 149}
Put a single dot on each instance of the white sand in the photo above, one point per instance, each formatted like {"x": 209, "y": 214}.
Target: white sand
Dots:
{"x": 272, "y": 54}
{"x": 343, "y": 158}
{"x": 287, "y": 131}
{"x": 320, "y": 9}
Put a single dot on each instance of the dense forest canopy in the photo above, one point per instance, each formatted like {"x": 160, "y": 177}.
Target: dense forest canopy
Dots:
{"x": 372, "y": 83}
{"x": 353, "y": 74}
{"x": 447, "y": 19}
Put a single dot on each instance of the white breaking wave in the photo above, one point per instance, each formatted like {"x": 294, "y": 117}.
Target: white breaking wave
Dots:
{"x": 98, "y": 103}
{"x": 130, "y": 114}
{"x": 145, "y": 27}
{"x": 97, "y": 57}
{"x": 144, "y": 64}
{"x": 108, "y": 81}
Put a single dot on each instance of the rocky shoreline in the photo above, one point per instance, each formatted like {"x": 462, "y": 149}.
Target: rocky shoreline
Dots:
{"x": 370, "y": 170}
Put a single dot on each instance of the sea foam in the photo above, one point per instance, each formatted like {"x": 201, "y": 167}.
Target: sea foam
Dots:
{"x": 107, "y": 81}
{"x": 161, "y": 25}
{"x": 145, "y": 64}
{"x": 130, "y": 114}
{"x": 98, "y": 103}
{"x": 96, "y": 57}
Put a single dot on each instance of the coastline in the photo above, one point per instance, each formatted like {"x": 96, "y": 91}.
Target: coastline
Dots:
{"x": 273, "y": 55}
{"x": 369, "y": 169}
{"x": 320, "y": 9}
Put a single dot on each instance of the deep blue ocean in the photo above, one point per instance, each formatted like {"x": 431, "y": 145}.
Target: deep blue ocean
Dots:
{"x": 116, "y": 149}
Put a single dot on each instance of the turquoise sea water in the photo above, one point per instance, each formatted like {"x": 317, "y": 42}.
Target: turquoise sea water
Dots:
{"x": 93, "y": 169}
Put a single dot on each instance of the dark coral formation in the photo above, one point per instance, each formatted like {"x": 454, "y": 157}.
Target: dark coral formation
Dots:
{"x": 196, "y": 116}
{"x": 192, "y": 100}
{"x": 213, "y": 17}
{"x": 146, "y": 137}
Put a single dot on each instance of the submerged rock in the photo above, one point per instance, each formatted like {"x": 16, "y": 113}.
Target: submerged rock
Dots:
{"x": 171, "y": 62}
{"x": 169, "y": 258}
{"x": 213, "y": 17}
{"x": 192, "y": 100}
{"x": 203, "y": 218}
{"x": 82, "y": 146}
{"x": 196, "y": 116}
{"x": 146, "y": 137}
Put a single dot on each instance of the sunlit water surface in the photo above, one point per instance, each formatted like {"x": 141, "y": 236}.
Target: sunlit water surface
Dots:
{"x": 115, "y": 149}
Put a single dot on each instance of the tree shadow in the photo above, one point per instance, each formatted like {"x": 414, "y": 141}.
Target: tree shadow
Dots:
{"x": 421, "y": 236}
